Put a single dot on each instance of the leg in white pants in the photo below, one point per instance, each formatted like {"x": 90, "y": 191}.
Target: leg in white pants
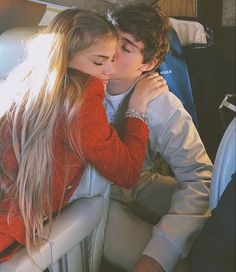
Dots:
{"x": 126, "y": 236}
{"x": 130, "y": 218}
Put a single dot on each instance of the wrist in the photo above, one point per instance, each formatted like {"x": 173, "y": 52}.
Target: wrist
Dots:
{"x": 137, "y": 104}
{"x": 133, "y": 113}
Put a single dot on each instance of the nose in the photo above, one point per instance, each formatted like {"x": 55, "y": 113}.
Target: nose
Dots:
{"x": 109, "y": 68}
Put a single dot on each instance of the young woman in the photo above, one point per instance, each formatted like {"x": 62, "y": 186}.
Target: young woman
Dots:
{"x": 53, "y": 123}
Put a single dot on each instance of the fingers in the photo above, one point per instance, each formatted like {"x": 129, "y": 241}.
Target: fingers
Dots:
{"x": 154, "y": 78}
{"x": 157, "y": 84}
{"x": 151, "y": 83}
{"x": 160, "y": 81}
{"x": 149, "y": 88}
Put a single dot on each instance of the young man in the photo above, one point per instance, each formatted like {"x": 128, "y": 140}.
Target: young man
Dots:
{"x": 153, "y": 225}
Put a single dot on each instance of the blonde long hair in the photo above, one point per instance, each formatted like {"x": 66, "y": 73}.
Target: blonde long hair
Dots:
{"x": 33, "y": 110}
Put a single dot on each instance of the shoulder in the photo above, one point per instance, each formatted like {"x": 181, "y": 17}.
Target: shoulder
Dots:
{"x": 164, "y": 103}
{"x": 165, "y": 107}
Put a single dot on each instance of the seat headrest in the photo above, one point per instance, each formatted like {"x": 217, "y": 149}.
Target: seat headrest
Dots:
{"x": 12, "y": 48}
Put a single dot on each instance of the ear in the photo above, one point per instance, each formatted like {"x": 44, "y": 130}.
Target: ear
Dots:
{"x": 146, "y": 67}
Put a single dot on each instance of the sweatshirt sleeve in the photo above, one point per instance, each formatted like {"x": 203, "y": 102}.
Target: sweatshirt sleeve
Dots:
{"x": 120, "y": 161}
{"x": 179, "y": 143}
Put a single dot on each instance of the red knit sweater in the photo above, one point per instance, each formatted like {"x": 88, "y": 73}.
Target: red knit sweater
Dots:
{"x": 119, "y": 161}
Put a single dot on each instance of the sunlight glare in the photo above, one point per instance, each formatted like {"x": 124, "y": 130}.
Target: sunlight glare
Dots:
{"x": 12, "y": 90}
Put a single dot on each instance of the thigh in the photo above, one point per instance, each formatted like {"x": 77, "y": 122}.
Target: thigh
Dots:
{"x": 126, "y": 236}
{"x": 150, "y": 199}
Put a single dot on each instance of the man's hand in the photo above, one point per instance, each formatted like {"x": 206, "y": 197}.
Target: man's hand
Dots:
{"x": 147, "y": 264}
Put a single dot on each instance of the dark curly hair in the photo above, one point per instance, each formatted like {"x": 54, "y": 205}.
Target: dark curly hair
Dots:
{"x": 148, "y": 25}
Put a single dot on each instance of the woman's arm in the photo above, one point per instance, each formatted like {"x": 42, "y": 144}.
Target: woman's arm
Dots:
{"x": 118, "y": 160}
{"x": 8, "y": 247}
{"x": 12, "y": 231}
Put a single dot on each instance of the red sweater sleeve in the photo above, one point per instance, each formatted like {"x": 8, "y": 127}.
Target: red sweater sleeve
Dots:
{"x": 118, "y": 160}
{"x": 8, "y": 247}
{"x": 12, "y": 231}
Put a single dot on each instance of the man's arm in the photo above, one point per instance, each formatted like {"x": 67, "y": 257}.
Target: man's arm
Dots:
{"x": 174, "y": 136}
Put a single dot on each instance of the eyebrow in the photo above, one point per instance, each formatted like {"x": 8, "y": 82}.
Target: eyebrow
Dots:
{"x": 130, "y": 42}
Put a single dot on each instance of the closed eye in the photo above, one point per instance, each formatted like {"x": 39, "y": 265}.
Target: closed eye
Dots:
{"x": 125, "y": 49}
{"x": 98, "y": 63}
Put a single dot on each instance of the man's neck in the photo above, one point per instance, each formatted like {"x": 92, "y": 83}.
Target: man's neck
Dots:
{"x": 115, "y": 87}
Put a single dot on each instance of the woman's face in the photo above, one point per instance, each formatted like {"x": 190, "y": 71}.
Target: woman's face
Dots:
{"x": 97, "y": 60}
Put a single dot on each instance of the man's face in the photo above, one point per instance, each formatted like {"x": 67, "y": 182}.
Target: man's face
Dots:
{"x": 129, "y": 59}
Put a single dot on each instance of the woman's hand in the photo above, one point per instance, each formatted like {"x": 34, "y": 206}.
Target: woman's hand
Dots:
{"x": 148, "y": 88}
